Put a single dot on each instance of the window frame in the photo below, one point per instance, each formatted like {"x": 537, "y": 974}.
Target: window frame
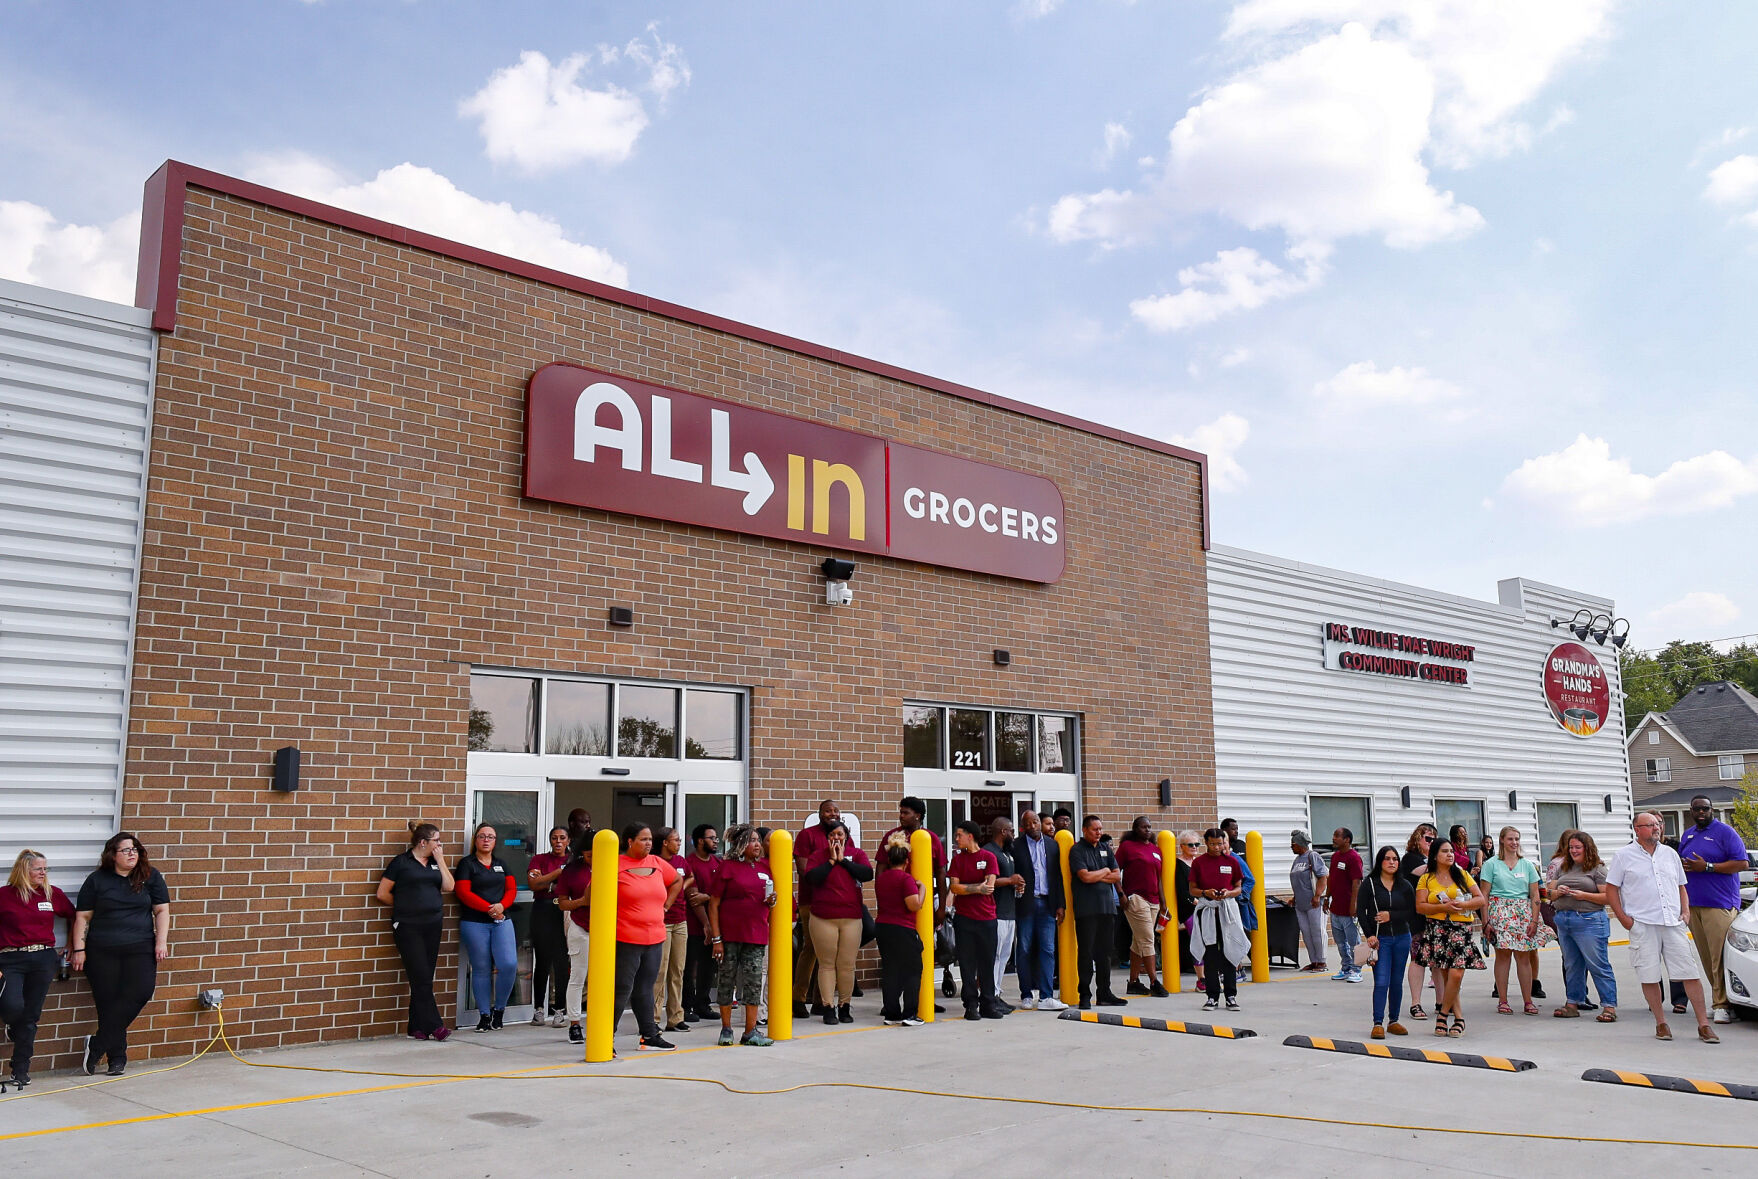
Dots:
{"x": 1659, "y": 769}
{"x": 1730, "y": 761}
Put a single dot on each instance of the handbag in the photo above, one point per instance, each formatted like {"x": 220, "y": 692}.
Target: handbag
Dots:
{"x": 1365, "y": 955}
{"x": 869, "y": 927}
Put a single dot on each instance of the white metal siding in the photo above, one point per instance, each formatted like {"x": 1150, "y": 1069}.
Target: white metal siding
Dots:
{"x": 1285, "y": 727}
{"x": 75, "y": 406}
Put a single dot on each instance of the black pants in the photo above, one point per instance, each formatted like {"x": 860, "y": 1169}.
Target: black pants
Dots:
{"x": 637, "y": 967}
{"x": 123, "y": 979}
{"x": 21, "y": 999}
{"x": 699, "y": 975}
{"x": 1092, "y": 939}
{"x": 549, "y": 957}
{"x": 418, "y": 942}
{"x": 976, "y": 961}
{"x": 900, "y": 971}
{"x": 1219, "y": 973}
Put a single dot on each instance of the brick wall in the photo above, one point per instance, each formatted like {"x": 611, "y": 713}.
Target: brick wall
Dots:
{"x": 335, "y": 535}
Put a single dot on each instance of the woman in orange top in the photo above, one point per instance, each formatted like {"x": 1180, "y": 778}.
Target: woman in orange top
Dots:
{"x": 646, "y": 887}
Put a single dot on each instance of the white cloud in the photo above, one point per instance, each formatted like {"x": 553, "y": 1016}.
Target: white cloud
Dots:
{"x": 94, "y": 260}
{"x": 1117, "y": 138}
{"x": 1235, "y": 358}
{"x": 1586, "y": 485}
{"x": 1035, "y": 9}
{"x": 1364, "y": 384}
{"x": 1237, "y": 280}
{"x": 1733, "y": 182}
{"x": 539, "y": 116}
{"x": 1220, "y": 440}
{"x": 1699, "y": 612}
{"x": 1331, "y": 126}
{"x": 421, "y": 198}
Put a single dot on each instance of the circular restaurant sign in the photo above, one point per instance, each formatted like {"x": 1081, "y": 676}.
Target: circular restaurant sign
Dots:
{"x": 1576, "y": 689}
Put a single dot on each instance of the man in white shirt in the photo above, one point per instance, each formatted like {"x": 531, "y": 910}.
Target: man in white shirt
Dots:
{"x": 1645, "y": 886}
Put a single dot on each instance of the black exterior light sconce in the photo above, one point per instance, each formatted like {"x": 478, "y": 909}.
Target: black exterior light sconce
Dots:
{"x": 1513, "y": 800}
{"x": 286, "y": 775}
{"x": 1404, "y": 796}
{"x": 1599, "y": 627}
{"x": 1003, "y": 658}
{"x": 1165, "y": 792}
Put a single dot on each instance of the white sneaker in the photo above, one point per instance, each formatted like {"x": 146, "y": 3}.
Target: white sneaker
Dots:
{"x": 537, "y": 1019}
{"x": 1030, "y": 1004}
{"x": 559, "y": 1019}
{"x": 1354, "y": 976}
{"x": 1052, "y": 1004}
{"x": 1721, "y": 1015}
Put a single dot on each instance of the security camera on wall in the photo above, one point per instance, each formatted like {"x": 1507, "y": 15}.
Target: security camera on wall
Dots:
{"x": 836, "y": 578}
{"x": 837, "y": 593}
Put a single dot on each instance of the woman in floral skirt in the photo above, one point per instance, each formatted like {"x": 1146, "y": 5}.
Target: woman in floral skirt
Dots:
{"x": 1448, "y": 897}
{"x": 1513, "y": 919}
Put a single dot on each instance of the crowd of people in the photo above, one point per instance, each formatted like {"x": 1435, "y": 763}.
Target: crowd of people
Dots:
{"x": 1433, "y": 912}
{"x": 693, "y": 930}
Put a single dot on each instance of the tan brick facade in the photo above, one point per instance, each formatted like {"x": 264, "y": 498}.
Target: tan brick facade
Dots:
{"x": 335, "y": 535}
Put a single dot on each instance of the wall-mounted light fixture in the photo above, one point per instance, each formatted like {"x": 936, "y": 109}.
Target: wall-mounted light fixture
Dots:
{"x": 1608, "y": 804}
{"x": 1404, "y": 796}
{"x": 1513, "y": 800}
{"x": 1600, "y": 627}
{"x": 1165, "y": 792}
{"x": 837, "y": 574}
{"x": 1003, "y": 658}
{"x": 621, "y": 616}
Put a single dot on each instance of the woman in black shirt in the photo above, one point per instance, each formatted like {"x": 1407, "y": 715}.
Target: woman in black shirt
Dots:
{"x": 414, "y": 885}
{"x": 120, "y": 933}
{"x": 1386, "y": 910}
{"x": 1411, "y": 866}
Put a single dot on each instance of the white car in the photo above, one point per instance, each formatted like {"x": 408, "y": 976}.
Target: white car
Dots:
{"x": 1739, "y": 959}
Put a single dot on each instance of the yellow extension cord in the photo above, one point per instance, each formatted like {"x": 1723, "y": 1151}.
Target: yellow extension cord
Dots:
{"x": 418, "y": 1079}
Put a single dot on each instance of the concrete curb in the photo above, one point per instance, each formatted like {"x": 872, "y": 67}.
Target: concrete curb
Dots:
{"x": 1159, "y": 1025}
{"x": 1611, "y": 1076}
{"x": 1427, "y": 1055}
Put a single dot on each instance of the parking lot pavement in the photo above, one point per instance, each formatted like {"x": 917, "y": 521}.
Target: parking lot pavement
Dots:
{"x": 664, "y": 1113}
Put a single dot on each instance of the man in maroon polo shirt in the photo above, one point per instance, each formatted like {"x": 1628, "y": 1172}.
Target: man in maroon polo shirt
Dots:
{"x": 972, "y": 874}
{"x": 701, "y": 865}
{"x": 808, "y": 843}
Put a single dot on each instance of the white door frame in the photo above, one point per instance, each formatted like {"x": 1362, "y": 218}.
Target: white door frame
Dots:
{"x": 476, "y": 785}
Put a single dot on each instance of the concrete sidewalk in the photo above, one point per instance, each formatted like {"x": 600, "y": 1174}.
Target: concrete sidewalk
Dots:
{"x": 559, "y": 1116}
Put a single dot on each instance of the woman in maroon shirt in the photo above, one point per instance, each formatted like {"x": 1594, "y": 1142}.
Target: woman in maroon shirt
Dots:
{"x": 549, "y": 946}
{"x": 835, "y": 874}
{"x": 29, "y": 905}
{"x": 740, "y": 897}
{"x": 899, "y": 897}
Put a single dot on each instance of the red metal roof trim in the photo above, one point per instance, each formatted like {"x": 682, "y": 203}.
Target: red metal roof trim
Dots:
{"x": 161, "y": 248}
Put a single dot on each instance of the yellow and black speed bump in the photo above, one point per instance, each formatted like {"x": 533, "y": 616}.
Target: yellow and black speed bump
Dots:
{"x": 1612, "y": 1076}
{"x": 1158, "y": 1025}
{"x": 1430, "y": 1055}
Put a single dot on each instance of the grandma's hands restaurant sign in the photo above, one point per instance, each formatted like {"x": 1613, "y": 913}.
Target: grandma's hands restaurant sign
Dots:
{"x": 1400, "y": 656}
{"x": 603, "y": 441}
{"x": 1576, "y": 689}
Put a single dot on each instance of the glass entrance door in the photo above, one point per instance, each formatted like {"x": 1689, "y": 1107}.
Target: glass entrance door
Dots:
{"x": 690, "y": 804}
{"x": 518, "y": 810}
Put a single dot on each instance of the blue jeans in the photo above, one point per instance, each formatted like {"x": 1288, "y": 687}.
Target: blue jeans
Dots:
{"x": 1034, "y": 949}
{"x": 1347, "y": 935}
{"x": 494, "y": 962}
{"x": 1388, "y": 975}
{"x": 1584, "y": 940}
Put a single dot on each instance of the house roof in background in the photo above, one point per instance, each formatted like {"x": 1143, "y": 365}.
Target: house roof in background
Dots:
{"x": 1719, "y": 717}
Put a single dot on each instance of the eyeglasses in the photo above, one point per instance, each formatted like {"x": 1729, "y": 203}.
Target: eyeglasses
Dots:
{"x": 128, "y": 851}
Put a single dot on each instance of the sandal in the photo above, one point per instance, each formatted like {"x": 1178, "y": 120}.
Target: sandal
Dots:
{"x": 1531, "y": 1007}
{"x": 1567, "y": 1011}
{"x": 1458, "y": 1028}
{"x": 1609, "y": 1015}
{"x": 1440, "y": 1024}
{"x": 1416, "y": 1012}
{"x": 1502, "y": 1008}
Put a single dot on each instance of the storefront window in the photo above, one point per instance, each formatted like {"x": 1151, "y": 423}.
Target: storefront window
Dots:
{"x": 1450, "y": 812}
{"x": 647, "y": 723}
{"x": 1331, "y": 812}
{"x": 968, "y": 739}
{"x": 1055, "y": 745}
{"x": 711, "y": 725}
{"x": 503, "y": 714}
{"x": 921, "y": 737}
{"x": 1013, "y": 742}
{"x": 577, "y": 720}
{"x": 1554, "y": 818}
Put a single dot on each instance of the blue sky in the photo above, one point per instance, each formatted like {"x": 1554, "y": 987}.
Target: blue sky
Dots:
{"x": 1450, "y": 290}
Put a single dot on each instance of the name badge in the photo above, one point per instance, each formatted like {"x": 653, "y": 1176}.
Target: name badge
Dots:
{"x": 981, "y": 864}
{"x": 498, "y": 868}
{"x": 45, "y": 906}
{"x": 1156, "y": 856}
{"x": 1227, "y": 869}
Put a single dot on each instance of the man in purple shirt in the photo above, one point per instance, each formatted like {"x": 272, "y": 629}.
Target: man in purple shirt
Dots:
{"x": 1714, "y": 855}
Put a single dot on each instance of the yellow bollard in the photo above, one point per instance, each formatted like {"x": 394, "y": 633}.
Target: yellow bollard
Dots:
{"x": 1171, "y": 969}
{"x": 1067, "y": 977}
{"x": 781, "y": 937}
{"x": 922, "y": 868}
{"x": 1260, "y": 938}
{"x": 601, "y": 950}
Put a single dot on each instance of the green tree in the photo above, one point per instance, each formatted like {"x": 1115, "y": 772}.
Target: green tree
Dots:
{"x": 1646, "y": 688}
{"x": 1745, "y": 816}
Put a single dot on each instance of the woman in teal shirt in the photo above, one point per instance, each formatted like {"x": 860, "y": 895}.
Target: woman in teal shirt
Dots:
{"x": 1513, "y": 884}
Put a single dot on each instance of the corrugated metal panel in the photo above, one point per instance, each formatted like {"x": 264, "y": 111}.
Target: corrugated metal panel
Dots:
{"x": 75, "y": 408}
{"x": 1286, "y": 727}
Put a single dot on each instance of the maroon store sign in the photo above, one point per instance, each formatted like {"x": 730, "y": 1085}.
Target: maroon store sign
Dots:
{"x": 1397, "y": 655}
{"x": 602, "y": 441}
{"x": 1576, "y": 689}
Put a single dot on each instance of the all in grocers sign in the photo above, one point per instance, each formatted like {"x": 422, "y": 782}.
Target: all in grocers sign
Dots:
{"x": 1576, "y": 689}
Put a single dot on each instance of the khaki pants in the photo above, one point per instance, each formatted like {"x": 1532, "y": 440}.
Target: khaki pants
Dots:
{"x": 579, "y": 946}
{"x": 668, "y": 988}
{"x": 1709, "y": 930}
{"x": 837, "y": 941}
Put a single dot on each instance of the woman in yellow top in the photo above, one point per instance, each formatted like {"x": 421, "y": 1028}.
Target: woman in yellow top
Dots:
{"x": 1448, "y": 897}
